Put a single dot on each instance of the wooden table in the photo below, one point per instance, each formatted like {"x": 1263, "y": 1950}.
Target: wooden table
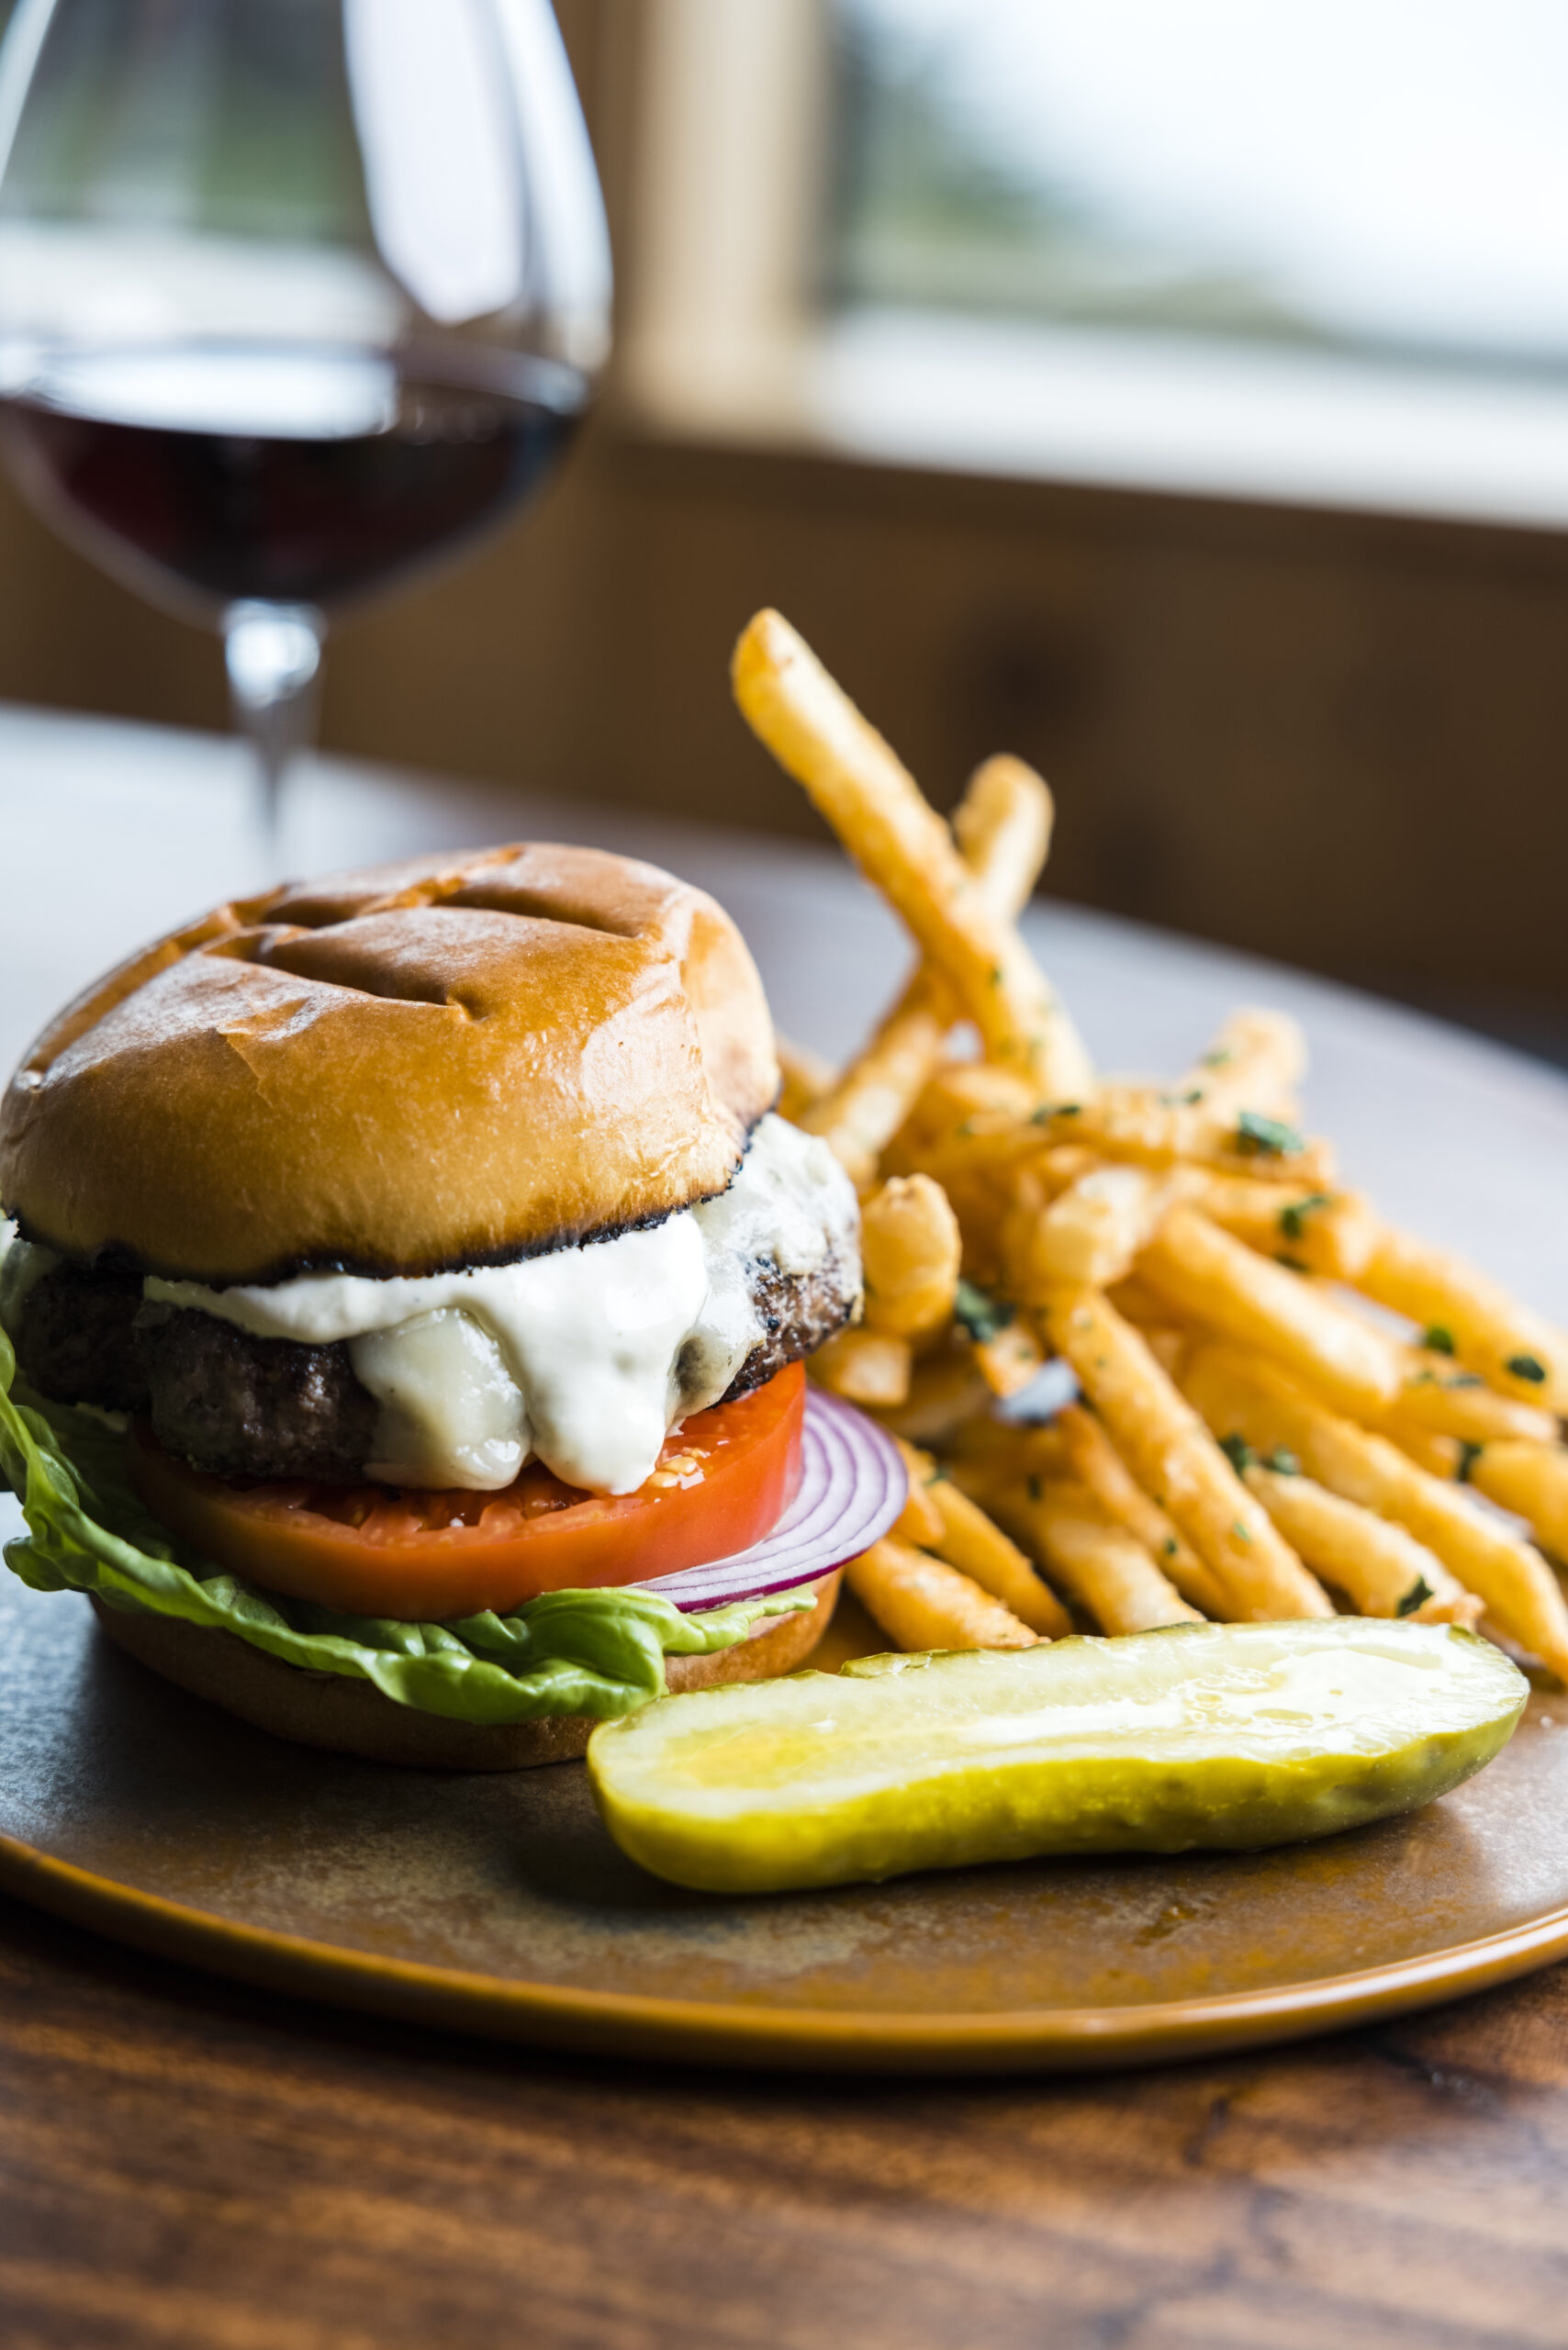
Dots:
{"x": 188, "y": 2164}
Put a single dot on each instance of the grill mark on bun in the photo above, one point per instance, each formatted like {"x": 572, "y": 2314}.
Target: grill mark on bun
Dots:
{"x": 315, "y": 906}
{"x": 402, "y": 1071}
{"x": 530, "y": 894}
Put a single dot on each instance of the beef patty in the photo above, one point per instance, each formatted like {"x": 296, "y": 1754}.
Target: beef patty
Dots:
{"x": 248, "y": 1407}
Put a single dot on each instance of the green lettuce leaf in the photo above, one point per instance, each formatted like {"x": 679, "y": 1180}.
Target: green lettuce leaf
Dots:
{"x": 600, "y": 1652}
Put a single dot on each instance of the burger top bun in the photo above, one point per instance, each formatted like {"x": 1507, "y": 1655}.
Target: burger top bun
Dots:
{"x": 413, "y": 1067}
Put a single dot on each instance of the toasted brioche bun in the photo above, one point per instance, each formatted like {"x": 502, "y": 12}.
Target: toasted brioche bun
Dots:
{"x": 351, "y": 1717}
{"x": 415, "y": 1067}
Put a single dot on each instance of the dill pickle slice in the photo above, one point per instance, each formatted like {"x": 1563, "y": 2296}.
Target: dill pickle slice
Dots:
{"x": 1230, "y": 1736}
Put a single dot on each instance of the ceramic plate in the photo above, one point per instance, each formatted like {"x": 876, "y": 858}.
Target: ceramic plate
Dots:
{"x": 498, "y": 1904}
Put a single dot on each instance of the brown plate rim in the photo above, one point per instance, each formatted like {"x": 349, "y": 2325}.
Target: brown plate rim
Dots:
{"x": 609, "y": 2023}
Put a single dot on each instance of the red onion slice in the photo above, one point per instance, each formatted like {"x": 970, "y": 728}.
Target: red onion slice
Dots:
{"x": 852, "y": 1486}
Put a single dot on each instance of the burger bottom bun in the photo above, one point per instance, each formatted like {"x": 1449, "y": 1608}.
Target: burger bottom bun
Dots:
{"x": 346, "y": 1716}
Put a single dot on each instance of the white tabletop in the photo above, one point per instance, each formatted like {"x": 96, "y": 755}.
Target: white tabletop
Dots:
{"x": 113, "y": 832}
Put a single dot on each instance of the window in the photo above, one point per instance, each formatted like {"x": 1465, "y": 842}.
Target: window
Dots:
{"x": 1313, "y": 251}
{"x": 1388, "y": 177}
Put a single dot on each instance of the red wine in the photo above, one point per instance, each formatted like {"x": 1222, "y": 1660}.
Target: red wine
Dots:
{"x": 302, "y": 479}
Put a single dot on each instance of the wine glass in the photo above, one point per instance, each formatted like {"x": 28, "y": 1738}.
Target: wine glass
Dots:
{"x": 296, "y": 298}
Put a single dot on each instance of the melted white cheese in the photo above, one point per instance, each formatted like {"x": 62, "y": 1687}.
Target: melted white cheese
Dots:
{"x": 22, "y": 1263}
{"x": 587, "y": 1356}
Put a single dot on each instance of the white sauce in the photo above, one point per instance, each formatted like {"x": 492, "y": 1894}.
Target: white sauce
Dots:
{"x": 587, "y": 1356}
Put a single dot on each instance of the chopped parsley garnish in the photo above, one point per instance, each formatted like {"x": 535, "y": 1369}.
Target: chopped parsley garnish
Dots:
{"x": 1416, "y": 1597}
{"x": 1527, "y": 1367}
{"x": 1170, "y": 1546}
{"x": 1293, "y": 1217}
{"x": 1469, "y": 1454}
{"x": 1217, "y": 1058}
{"x": 1283, "y": 1461}
{"x": 1240, "y": 1531}
{"x": 1183, "y": 1101}
{"x": 1437, "y": 1339}
{"x": 1464, "y": 1379}
{"x": 1238, "y": 1452}
{"x": 1291, "y": 1264}
{"x": 1050, "y": 1110}
{"x": 1260, "y": 1137}
{"x": 982, "y": 1315}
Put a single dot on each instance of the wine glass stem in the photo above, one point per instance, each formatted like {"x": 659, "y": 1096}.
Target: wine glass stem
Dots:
{"x": 273, "y": 656}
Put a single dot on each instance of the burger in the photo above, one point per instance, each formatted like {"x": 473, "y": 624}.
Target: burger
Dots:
{"x": 406, "y": 1289}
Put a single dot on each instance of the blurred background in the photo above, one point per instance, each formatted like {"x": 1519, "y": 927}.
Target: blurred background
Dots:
{"x": 1177, "y": 397}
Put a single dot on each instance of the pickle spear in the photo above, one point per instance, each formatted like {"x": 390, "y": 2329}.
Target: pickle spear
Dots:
{"x": 1231, "y": 1736}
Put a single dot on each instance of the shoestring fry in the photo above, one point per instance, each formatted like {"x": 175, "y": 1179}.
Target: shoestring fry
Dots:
{"x": 1286, "y": 1403}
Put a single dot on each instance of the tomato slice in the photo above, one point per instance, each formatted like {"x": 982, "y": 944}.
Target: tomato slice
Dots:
{"x": 725, "y": 1478}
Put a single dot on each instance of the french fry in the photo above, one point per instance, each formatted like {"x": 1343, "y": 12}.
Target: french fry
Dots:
{"x": 1225, "y": 1108}
{"x": 865, "y": 1367}
{"x": 1514, "y": 1350}
{"x": 984, "y": 1147}
{"x": 807, "y": 1076}
{"x": 1247, "y": 1395}
{"x": 1003, "y": 825}
{"x": 1090, "y": 1231}
{"x": 856, "y": 1116}
{"x": 1440, "y": 1456}
{"x": 978, "y": 1168}
{"x": 923, "y": 1603}
{"x": 1135, "y": 1122}
{"x": 1009, "y": 1359}
{"x": 1106, "y": 1568}
{"x": 905, "y": 850}
{"x": 963, "y": 1100}
{"x": 1332, "y": 1233}
{"x": 1005, "y": 1349}
{"x": 1381, "y": 1568}
{"x": 946, "y": 1390}
{"x": 1058, "y": 1164}
{"x": 1532, "y": 1481}
{"x": 1097, "y": 1465}
{"x": 1168, "y": 1347}
{"x": 1438, "y": 1412}
{"x": 968, "y": 1539}
{"x": 1111, "y": 1210}
{"x": 1220, "y": 1281}
{"x": 1256, "y": 1062}
{"x": 1171, "y": 1453}
{"x": 1434, "y": 1393}
{"x": 919, "y": 1523}
{"x": 1137, "y": 1304}
{"x": 986, "y": 1452}
{"x": 910, "y": 1249}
